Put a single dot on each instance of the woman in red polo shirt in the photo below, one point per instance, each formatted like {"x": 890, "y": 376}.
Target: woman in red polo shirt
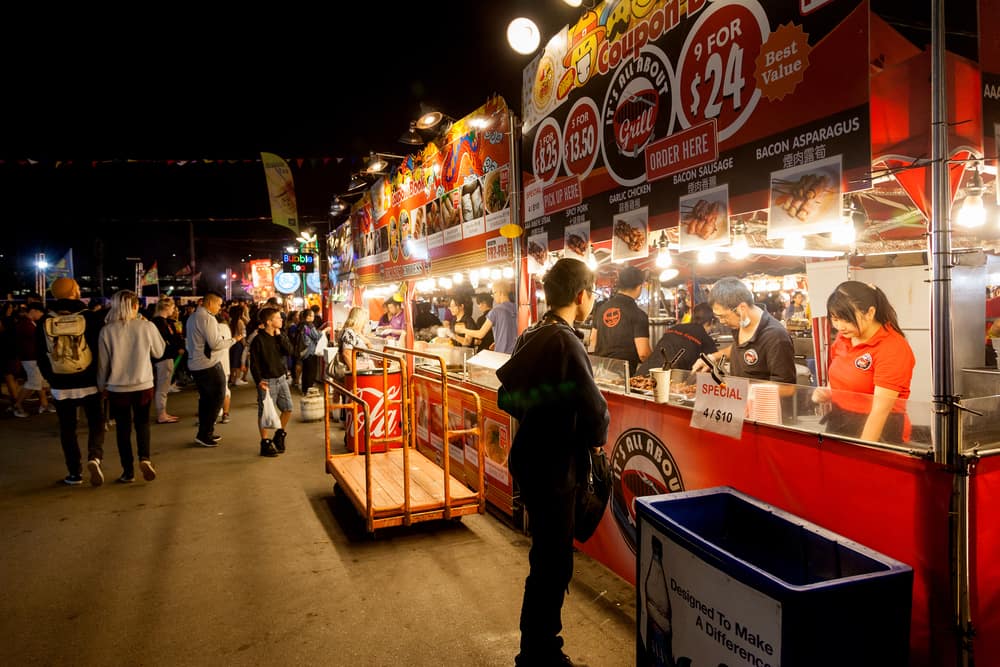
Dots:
{"x": 869, "y": 357}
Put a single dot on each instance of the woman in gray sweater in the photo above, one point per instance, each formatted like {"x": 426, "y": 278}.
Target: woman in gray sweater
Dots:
{"x": 126, "y": 348}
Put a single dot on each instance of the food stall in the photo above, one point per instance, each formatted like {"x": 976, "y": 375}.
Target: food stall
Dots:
{"x": 711, "y": 126}
{"x": 427, "y": 230}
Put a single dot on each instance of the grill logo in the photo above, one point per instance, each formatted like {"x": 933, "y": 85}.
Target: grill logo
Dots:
{"x": 611, "y": 318}
{"x": 864, "y": 362}
{"x": 637, "y": 110}
{"x": 641, "y": 465}
{"x": 750, "y": 357}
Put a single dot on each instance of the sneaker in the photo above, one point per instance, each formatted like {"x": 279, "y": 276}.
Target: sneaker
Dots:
{"x": 126, "y": 478}
{"x": 267, "y": 448}
{"x": 208, "y": 441}
{"x": 96, "y": 475}
{"x": 173, "y": 389}
{"x": 148, "y": 472}
{"x": 225, "y": 418}
{"x": 73, "y": 480}
{"x": 279, "y": 440}
{"x": 18, "y": 412}
{"x": 241, "y": 382}
{"x": 48, "y": 408}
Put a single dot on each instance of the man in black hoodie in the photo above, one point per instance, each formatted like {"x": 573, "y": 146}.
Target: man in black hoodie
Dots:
{"x": 78, "y": 389}
{"x": 268, "y": 351}
{"x": 548, "y": 386}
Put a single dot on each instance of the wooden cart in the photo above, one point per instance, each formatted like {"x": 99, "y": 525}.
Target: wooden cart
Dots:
{"x": 399, "y": 486}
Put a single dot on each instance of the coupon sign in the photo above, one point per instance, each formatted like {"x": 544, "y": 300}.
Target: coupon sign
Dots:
{"x": 720, "y": 407}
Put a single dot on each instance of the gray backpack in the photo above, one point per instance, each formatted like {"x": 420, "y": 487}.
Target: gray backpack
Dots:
{"x": 66, "y": 344}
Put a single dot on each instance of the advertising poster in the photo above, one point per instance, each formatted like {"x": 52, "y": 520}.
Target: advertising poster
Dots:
{"x": 641, "y": 105}
{"x": 691, "y": 610}
{"x": 440, "y": 203}
{"x": 704, "y": 219}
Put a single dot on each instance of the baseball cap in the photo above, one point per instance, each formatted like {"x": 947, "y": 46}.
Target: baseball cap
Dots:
{"x": 630, "y": 277}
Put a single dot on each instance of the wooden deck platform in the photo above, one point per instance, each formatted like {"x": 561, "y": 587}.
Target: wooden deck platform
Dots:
{"x": 427, "y": 499}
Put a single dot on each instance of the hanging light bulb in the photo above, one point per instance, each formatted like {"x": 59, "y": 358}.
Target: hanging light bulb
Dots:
{"x": 706, "y": 256}
{"x": 508, "y": 272}
{"x": 973, "y": 213}
{"x": 496, "y": 274}
{"x": 474, "y": 278}
{"x": 458, "y": 278}
{"x": 740, "y": 246}
{"x": 668, "y": 274}
{"x": 592, "y": 259}
{"x": 795, "y": 242}
{"x": 844, "y": 234}
{"x": 663, "y": 259}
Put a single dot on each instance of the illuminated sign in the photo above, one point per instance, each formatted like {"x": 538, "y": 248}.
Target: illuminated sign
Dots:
{"x": 298, "y": 262}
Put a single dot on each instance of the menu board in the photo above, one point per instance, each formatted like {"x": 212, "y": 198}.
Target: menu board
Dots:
{"x": 449, "y": 200}
{"x": 644, "y": 115}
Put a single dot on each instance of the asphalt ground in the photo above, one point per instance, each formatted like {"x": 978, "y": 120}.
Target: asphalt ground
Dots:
{"x": 229, "y": 558}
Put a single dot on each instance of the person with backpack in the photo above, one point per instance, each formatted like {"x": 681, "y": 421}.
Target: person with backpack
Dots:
{"x": 67, "y": 357}
{"x": 128, "y": 343}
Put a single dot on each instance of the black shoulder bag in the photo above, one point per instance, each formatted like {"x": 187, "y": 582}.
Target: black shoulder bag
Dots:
{"x": 592, "y": 495}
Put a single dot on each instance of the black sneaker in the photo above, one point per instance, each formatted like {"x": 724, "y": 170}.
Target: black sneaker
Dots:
{"x": 73, "y": 480}
{"x": 279, "y": 440}
{"x": 96, "y": 475}
{"x": 126, "y": 478}
{"x": 208, "y": 441}
{"x": 267, "y": 448}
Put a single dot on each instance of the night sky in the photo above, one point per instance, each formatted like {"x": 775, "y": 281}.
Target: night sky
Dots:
{"x": 192, "y": 86}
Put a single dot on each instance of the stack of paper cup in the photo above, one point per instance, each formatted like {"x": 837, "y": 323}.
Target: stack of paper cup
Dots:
{"x": 661, "y": 392}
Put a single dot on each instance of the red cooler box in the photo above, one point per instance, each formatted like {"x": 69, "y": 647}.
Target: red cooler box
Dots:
{"x": 385, "y": 423}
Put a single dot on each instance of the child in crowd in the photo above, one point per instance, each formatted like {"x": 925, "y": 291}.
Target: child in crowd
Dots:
{"x": 268, "y": 352}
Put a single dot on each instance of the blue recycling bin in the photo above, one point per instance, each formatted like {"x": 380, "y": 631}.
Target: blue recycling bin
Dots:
{"x": 725, "y": 579}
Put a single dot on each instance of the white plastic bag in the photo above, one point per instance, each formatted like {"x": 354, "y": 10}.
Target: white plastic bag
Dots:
{"x": 269, "y": 417}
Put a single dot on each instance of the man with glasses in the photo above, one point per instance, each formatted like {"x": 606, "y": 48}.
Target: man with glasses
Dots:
{"x": 621, "y": 328}
{"x": 761, "y": 349}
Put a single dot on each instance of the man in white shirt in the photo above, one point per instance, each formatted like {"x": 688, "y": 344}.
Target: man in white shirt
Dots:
{"x": 204, "y": 342}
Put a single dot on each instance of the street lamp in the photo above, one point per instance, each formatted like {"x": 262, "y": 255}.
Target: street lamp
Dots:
{"x": 40, "y": 265}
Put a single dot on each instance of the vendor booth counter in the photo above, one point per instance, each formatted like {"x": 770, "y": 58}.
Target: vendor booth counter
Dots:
{"x": 889, "y": 497}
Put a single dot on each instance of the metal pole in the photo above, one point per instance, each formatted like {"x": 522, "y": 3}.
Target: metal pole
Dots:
{"x": 194, "y": 280}
{"x": 946, "y": 418}
{"x": 229, "y": 283}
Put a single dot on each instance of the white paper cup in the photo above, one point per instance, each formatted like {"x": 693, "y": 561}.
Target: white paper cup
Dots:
{"x": 661, "y": 392}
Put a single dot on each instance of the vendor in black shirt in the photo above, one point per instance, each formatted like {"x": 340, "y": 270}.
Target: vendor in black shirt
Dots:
{"x": 762, "y": 349}
{"x": 692, "y": 337}
{"x": 621, "y": 328}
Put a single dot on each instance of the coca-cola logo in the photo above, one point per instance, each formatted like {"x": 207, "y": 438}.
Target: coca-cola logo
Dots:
{"x": 638, "y": 109}
{"x": 384, "y": 422}
{"x": 641, "y": 465}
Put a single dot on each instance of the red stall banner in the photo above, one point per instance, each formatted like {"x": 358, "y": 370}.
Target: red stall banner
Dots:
{"x": 445, "y": 202}
{"x": 897, "y": 505}
{"x": 984, "y": 536}
{"x": 640, "y": 109}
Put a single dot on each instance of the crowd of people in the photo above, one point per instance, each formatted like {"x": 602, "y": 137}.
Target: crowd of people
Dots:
{"x": 117, "y": 363}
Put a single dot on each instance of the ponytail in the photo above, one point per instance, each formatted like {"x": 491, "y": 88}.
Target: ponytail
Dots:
{"x": 853, "y": 296}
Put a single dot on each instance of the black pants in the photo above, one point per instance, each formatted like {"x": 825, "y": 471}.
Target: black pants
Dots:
{"x": 841, "y": 422}
{"x": 211, "y": 383}
{"x": 551, "y": 568}
{"x": 310, "y": 372}
{"x": 128, "y": 408}
{"x": 94, "y": 412}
